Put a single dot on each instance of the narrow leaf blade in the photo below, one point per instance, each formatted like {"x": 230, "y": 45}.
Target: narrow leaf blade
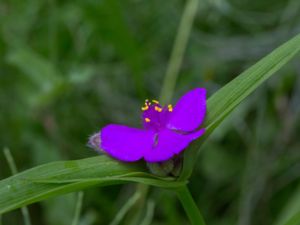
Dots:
{"x": 57, "y": 178}
{"x": 225, "y": 100}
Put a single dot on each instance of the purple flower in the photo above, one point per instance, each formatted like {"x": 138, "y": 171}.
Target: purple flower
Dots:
{"x": 167, "y": 130}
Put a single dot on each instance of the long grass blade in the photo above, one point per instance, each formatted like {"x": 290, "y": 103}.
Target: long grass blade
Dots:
{"x": 12, "y": 165}
{"x": 126, "y": 207}
{"x": 149, "y": 213}
{"x": 291, "y": 208}
{"x": 58, "y": 178}
{"x": 295, "y": 220}
{"x": 180, "y": 44}
{"x": 78, "y": 208}
{"x": 225, "y": 100}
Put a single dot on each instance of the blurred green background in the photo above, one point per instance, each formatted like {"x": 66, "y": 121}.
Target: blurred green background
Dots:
{"x": 69, "y": 67}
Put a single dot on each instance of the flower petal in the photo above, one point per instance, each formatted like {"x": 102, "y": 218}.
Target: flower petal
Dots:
{"x": 126, "y": 143}
{"x": 189, "y": 112}
{"x": 170, "y": 143}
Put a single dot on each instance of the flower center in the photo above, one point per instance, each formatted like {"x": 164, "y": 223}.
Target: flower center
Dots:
{"x": 154, "y": 115}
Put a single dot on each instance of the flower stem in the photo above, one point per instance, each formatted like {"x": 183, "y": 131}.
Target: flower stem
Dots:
{"x": 179, "y": 47}
{"x": 189, "y": 206}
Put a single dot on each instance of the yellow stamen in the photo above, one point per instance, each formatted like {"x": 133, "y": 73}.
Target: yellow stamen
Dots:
{"x": 170, "y": 108}
{"x": 158, "y": 109}
{"x": 145, "y": 108}
{"x": 155, "y": 101}
{"x": 147, "y": 120}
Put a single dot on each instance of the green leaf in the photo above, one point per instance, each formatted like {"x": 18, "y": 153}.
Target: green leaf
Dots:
{"x": 291, "y": 208}
{"x": 224, "y": 101}
{"x": 57, "y": 178}
{"x": 295, "y": 220}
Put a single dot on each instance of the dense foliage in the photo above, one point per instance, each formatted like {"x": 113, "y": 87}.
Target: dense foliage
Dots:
{"x": 69, "y": 67}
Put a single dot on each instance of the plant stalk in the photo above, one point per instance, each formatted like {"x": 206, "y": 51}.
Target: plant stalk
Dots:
{"x": 179, "y": 47}
{"x": 78, "y": 208}
{"x": 189, "y": 206}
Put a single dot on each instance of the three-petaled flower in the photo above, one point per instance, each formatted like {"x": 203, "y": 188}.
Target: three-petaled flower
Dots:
{"x": 167, "y": 130}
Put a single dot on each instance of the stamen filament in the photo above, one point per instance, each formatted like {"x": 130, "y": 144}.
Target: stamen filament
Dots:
{"x": 147, "y": 103}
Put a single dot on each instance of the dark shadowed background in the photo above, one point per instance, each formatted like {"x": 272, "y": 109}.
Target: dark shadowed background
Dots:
{"x": 67, "y": 68}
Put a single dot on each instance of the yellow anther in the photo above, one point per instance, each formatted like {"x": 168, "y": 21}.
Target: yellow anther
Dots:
{"x": 147, "y": 120}
{"x": 158, "y": 109}
{"x": 145, "y": 108}
{"x": 170, "y": 108}
{"x": 155, "y": 101}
